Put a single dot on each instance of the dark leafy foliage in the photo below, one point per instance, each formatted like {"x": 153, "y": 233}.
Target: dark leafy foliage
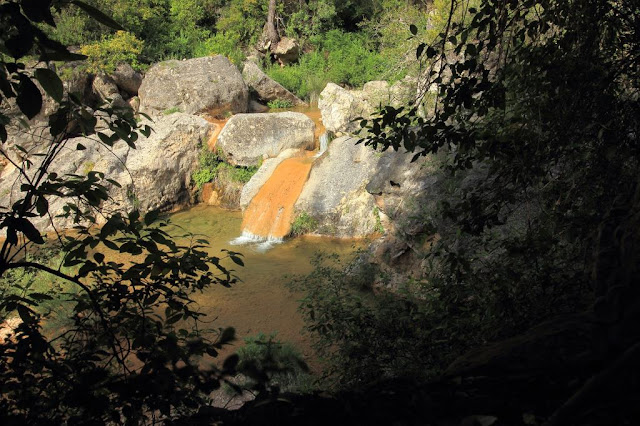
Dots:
{"x": 536, "y": 110}
{"x": 539, "y": 98}
{"x": 131, "y": 349}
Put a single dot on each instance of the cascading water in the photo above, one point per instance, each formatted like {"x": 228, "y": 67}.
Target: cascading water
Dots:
{"x": 267, "y": 219}
{"x": 324, "y": 143}
{"x": 219, "y": 124}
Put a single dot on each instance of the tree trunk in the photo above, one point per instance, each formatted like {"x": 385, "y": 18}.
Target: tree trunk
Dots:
{"x": 270, "y": 27}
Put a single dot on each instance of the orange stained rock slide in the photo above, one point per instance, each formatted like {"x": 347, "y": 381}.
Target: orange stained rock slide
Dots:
{"x": 270, "y": 212}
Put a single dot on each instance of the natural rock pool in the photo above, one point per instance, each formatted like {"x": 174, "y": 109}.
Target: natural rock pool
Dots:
{"x": 262, "y": 302}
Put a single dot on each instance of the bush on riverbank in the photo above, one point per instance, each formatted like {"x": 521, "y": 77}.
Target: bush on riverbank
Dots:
{"x": 339, "y": 57}
{"x": 280, "y": 361}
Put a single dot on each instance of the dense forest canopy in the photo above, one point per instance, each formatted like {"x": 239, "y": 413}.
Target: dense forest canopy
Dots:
{"x": 346, "y": 42}
{"x": 530, "y": 110}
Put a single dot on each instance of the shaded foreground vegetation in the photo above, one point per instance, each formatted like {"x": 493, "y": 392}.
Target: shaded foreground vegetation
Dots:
{"x": 528, "y": 305}
{"x": 536, "y": 123}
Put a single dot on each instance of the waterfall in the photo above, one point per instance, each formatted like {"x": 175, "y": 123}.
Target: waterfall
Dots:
{"x": 261, "y": 244}
{"x": 324, "y": 143}
{"x": 267, "y": 219}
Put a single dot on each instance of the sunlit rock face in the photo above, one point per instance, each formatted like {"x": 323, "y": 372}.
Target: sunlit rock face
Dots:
{"x": 247, "y": 139}
{"x": 335, "y": 194}
{"x": 127, "y": 79}
{"x": 341, "y": 108}
{"x": 210, "y": 85}
{"x": 155, "y": 175}
{"x": 105, "y": 89}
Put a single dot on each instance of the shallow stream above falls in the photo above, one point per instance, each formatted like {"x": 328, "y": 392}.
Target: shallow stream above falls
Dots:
{"x": 262, "y": 302}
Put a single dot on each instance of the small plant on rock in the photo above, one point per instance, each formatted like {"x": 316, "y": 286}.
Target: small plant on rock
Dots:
{"x": 279, "y": 104}
{"x": 303, "y": 224}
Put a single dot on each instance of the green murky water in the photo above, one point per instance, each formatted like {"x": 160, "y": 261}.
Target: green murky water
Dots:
{"x": 261, "y": 302}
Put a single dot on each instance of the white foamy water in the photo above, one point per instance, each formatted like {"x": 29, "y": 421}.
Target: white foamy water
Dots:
{"x": 324, "y": 143}
{"x": 260, "y": 244}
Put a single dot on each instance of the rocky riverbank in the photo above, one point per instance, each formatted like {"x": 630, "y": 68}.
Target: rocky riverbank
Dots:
{"x": 351, "y": 190}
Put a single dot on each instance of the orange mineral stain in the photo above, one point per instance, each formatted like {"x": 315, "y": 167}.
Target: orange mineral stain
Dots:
{"x": 270, "y": 212}
{"x": 219, "y": 124}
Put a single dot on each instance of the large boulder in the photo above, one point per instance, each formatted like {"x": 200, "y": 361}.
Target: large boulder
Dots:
{"x": 159, "y": 171}
{"x": 397, "y": 179}
{"x": 247, "y": 139}
{"x": 156, "y": 175}
{"x": 95, "y": 157}
{"x": 107, "y": 91}
{"x": 210, "y": 85}
{"x": 266, "y": 88}
{"x": 79, "y": 82}
{"x": 127, "y": 79}
{"x": 335, "y": 194}
{"x": 340, "y": 107}
{"x": 287, "y": 50}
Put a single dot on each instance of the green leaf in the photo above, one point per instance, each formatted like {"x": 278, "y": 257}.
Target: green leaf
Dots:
{"x": 105, "y": 139}
{"x": 237, "y": 260}
{"x": 98, "y": 257}
{"x": 50, "y": 82}
{"x": 42, "y": 205}
{"x": 58, "y": 122}
{"x": 38, "y": 11}
{"x": 413, "y": 29}
{"x": 114, "y": 183}
{"x": 12, "y": 236}
{"x": 228, "y": 334}
{"x": 29, "y": 99}
{"x": 40, "y": 296}
{"x": 98, "y": 15}
{"x": 151, "y": 217}
{"x": 29, "y": 231}
{"x": 20, "y": 44}
{"x": 25, "y": 314}
{"x": 80, "y": 147}
{"x": 61, "y": 56}
{"x": 146, "y": 130}
{"x": 231, "y": 362}
{"x": 174, "y": 318}
{"x": 471, "y": 50}
{"x": 419, "y": 50}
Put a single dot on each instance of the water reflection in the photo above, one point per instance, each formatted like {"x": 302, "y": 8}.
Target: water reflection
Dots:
{"x": 261, "y": 302}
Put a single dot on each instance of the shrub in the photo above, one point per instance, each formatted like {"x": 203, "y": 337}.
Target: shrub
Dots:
{"x": 243, "y": 19}
{"x": 282, "y": 363}
{"x": 222, "y": 43}
{"x": 338, "y": 57}
{"x": 171, "y": 110}
{"x": 104, "y": 56}
{"x": 379, "y": 227}
{"x": 202, "y": 176}
{"x": 54, "y": 292}
{"x": 279, "y": 103}
{"x": 303, "y": 224}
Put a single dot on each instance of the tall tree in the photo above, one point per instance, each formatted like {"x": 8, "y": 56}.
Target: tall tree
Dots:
{"x": 269, "y": 38}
